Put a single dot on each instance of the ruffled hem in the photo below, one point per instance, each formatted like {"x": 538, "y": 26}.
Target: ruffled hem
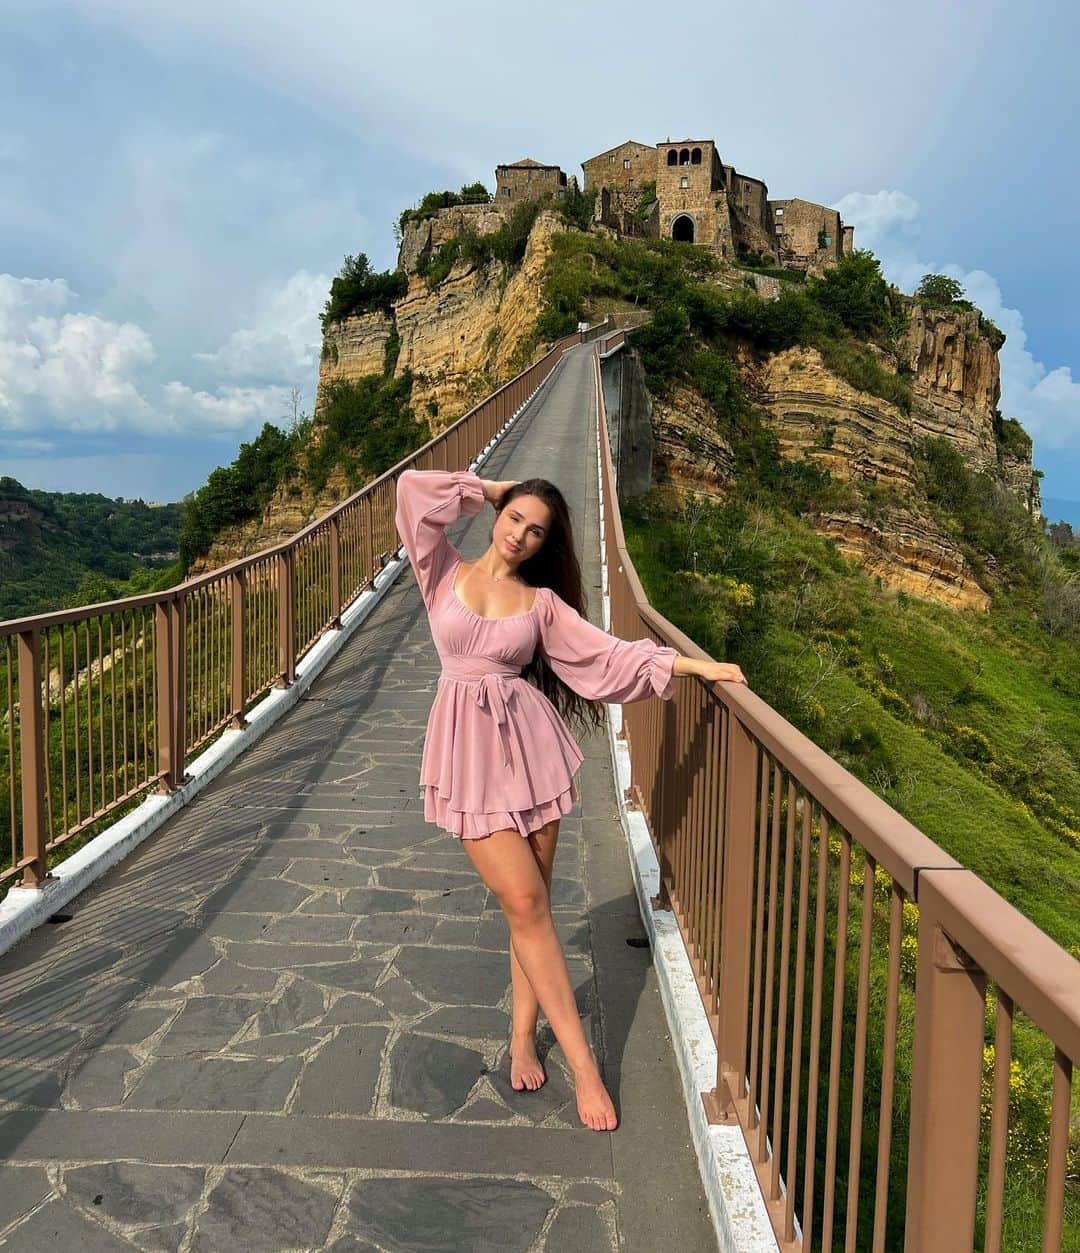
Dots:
{"x": 468, "y": 826}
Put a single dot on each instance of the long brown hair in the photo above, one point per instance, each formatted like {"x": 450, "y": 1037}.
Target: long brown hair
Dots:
{"x": 555, "y": 565}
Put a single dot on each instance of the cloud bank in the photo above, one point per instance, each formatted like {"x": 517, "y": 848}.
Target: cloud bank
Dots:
{"x": 66, "y": 369}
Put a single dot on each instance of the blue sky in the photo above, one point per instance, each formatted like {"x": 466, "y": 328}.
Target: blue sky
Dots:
{"x": 178, "y": 183}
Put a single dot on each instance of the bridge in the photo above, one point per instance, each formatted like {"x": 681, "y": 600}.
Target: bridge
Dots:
{"x": 279, "y": 1021}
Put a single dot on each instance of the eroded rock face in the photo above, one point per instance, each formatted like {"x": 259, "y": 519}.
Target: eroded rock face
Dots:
{"x": 818, "y": 416}
{"x": 355, "y": 347}
{"x": 688, "y": 450}
{"x": 859, "y": 437}
{"x": 909, "y": 553}
{"x": 423, "y": 237}
{"x": 289, "y": 510}
{"x": 956, "y": 381}
{"x": 460, "y": 340}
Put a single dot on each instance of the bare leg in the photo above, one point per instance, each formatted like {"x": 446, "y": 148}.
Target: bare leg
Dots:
{"x": 507, "y": 865}
{"x": 526, "y": 1072}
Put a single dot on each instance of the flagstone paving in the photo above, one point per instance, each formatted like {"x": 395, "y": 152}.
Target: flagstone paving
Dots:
{"x": 282, "y": 1022}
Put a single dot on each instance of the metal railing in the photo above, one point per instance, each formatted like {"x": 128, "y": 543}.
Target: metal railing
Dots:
{"x": 101, "y": 703}
{"x": 861, "y": 985}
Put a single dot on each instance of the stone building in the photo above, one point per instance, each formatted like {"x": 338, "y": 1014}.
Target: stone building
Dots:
{"x": 528, "y": 180}
{"x": 626, "y": 167}
{"x": 701, "y": 200}
{"x": 810, "y": 235}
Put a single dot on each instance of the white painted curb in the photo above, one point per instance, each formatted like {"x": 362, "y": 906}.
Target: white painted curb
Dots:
{"x": 731, "y": 1187}
{"x": 23, "y": 909}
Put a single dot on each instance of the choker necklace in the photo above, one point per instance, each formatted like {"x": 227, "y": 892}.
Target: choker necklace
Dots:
{"x": 497, "y": 578}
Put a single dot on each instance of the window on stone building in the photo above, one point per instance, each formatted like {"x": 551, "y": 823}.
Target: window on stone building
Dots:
{"x": 626, "y": 163}
{"x": 684, "y": 181}
{"x": 672, "y": 156}
{"x": 684, "y": 156}
{"x": 779, "y": 213}
{"x": 629, "y": 182}
{"x": 611, "y": 160}
{"x": 695, "y": 157}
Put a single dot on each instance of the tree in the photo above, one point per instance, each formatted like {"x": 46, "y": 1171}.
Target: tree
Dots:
{"x": 855, "y": 291}
{"x": 360, "y": 289}
{"x": 939, "y": 289}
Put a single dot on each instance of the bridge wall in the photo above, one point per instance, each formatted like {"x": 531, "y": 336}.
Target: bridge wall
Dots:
{"x": 629, "y": 414}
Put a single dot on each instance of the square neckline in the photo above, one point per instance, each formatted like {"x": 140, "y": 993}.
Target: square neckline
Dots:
{"x": 472, "y": 612}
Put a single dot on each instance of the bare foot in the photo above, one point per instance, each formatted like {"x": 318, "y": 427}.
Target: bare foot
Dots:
{"x": 595, "y": 1107}
{"x": 526, "y": 1073}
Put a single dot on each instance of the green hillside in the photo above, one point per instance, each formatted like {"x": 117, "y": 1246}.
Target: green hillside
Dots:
{"x": 71, "y": 548}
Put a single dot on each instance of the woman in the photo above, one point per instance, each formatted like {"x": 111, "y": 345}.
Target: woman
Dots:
{"x": 498, "y": 764}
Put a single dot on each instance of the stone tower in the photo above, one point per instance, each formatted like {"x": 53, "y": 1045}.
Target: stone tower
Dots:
{"x": 692, "y": 194}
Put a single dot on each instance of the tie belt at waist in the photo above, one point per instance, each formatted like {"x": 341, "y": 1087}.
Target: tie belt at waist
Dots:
{"x": 494, "y": 688}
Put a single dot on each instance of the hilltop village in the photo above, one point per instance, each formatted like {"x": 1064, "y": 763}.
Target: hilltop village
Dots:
{"x": 682, "y": 190}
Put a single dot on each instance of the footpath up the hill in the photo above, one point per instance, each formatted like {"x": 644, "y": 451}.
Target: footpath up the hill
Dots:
{"x": 282, "y": 1023}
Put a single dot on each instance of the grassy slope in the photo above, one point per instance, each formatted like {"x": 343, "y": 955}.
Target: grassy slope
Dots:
{"x": 940, "y": 655}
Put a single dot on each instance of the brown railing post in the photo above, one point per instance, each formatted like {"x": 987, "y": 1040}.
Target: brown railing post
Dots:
{"x": 946, "y": 1078}
{"x": 239, "y": 652}
{"x": 180, "y": 660}
{"x": 335, "y": 571}
{"x": 733, "y": 989}
{"x": 31, "y": 758}
{"x": 368, "y": 540}
{"x": 286, "y": 620}
{"x": 166, "y": 647}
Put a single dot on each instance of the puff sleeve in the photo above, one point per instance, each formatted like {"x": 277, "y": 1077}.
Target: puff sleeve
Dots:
{"x": 597, "y": 664}
{"x": 428, "y": 501}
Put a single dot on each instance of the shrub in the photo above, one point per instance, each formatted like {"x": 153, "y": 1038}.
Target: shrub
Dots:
{"x": 359, "y": 289}
{"x": 236, "y": 492}
{"x": 368, "y": 426}
{"x": 855, "y": 292}
{"x": 577, "y": 207}
{"x": 429, "y": 206}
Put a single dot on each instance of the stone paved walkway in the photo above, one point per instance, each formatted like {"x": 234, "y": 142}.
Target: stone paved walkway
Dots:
{"x": 282, "y": 1023}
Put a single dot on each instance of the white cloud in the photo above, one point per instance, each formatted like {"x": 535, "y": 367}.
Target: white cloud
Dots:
{"x": 1046, "y": 401}
{"x": 283, "y": 338}
{"x": 77, "y": 368}
{"x": 64, "y": 369}
{"x": 231, "y": 408}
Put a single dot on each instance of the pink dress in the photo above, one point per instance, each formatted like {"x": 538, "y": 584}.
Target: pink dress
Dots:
{"x": 497, "y": 755}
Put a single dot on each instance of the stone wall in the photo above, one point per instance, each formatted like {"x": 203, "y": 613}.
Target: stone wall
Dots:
{"x": 618, "y": 208}
{"x": 424, "y": 237}
{"x": 629, "y": 418}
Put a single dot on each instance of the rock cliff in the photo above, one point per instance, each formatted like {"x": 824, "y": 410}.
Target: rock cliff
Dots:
{"x": 861, "y": 438}
{"x": 460, "y": 340}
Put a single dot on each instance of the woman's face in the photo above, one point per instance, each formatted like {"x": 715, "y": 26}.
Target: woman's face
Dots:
{"x": 520, "y": 529}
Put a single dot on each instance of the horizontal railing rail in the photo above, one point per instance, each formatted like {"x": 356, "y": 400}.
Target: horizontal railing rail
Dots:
{"x": 862, "y": 987}
{"x": 102, "y": 703}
